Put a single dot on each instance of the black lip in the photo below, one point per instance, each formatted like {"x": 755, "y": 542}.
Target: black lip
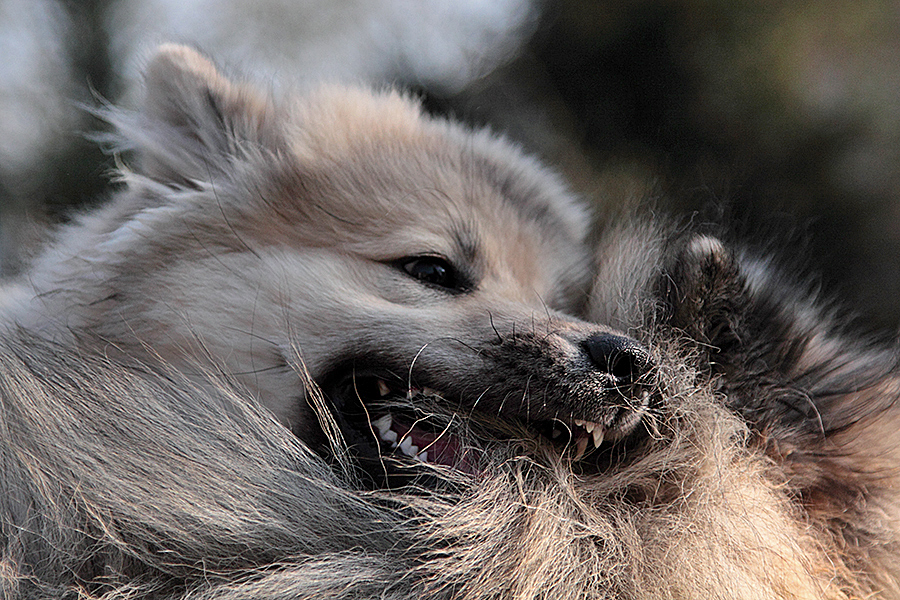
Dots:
{"x": 355, "y": 400}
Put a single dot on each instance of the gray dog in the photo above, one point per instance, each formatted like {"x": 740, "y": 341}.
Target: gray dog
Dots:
{"x": 328, "y": 347}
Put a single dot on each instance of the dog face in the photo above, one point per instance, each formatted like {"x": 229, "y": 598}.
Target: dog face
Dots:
{"x": 348, "y": 243}
{"x": 375, "y": 277}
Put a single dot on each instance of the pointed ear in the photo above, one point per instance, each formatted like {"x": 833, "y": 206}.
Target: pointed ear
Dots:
{"x": 783, "y": 359}
{"x": 194, "y": 121}
{"x": 706, "y": 293}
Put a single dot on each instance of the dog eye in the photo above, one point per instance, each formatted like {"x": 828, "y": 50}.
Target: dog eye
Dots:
{"x": 432, "y": 270}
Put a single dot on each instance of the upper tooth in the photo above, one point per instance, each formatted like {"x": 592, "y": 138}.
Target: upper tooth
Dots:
{"x": 589, "y": 426}
{"x": 598, "y": 434}
{"x": 383, "y": 388}
{"x": 383, "y": 424}
{"x": 390, "y": 436}
{"x": 407, "y": 447}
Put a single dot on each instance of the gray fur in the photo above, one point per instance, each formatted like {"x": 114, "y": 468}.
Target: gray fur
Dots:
{"x": 141, "y": 458}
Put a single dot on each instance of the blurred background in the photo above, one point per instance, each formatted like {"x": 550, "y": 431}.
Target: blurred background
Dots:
{"x": 779, "y": 118}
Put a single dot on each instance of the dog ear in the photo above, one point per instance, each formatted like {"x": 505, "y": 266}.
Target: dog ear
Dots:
{"x": 822, "y": 400}
{"x": 705, "y": 294}
{"x": 780, "y": 356}
{"x": 754, "y": 332}
{"x": 194, "y": 121}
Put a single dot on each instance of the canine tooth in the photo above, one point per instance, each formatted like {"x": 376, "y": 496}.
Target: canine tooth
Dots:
{"x": 422, "y": 456}
{"x": 407, "y": 447}
{"x": 580, "y": 447}
{"x": 588, "y": 426}
{"x": 383, "y": 388}
{"x": 383, "y": 424}
{"x": 598, "y": 434}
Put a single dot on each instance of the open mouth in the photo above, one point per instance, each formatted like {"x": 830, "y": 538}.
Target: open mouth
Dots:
{"x": 396, "y": 430}
{"x": 391, "y": 426}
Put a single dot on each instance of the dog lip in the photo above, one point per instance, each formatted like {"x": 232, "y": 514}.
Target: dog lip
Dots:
{"x": 387, "y": 416}
{"x": 586, "y": 435}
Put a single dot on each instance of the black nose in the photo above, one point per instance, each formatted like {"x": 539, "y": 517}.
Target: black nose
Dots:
{"x": 624, "y": 358}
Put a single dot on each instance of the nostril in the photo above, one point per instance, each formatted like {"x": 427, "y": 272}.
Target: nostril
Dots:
{"x": 624, "y": 358}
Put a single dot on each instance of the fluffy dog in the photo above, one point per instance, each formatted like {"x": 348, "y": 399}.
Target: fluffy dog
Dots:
{"x": 329, "y": 347}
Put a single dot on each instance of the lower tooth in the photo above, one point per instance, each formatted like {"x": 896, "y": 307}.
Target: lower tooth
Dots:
{"x": 580, "y": 447}
{"x": 383, "y": 424}
{"x": 407, "y": 447}
{"x": 422, "y": 457}
{"x": 389, "y": 436}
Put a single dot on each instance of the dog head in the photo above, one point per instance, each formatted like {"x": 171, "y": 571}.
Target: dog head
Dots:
{"x": 343, "y": 250}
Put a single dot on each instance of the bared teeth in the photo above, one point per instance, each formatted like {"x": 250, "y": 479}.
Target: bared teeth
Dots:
{"x": 407, "y": 447}
{"x": 596, "y": 430}
{"x": 383, "y": 389}
{"x": 383, "y": 424}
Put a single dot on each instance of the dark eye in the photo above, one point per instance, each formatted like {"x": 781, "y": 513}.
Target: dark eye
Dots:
{"x": 432, "y": 270}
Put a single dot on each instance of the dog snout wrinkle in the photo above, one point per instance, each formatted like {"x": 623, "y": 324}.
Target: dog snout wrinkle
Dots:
{"x": 622, "y": 357}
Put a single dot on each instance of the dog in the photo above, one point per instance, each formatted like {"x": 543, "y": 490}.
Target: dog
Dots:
{"x": 332, "y": 347}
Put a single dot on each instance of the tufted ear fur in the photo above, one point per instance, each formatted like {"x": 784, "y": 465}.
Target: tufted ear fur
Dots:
{"x": 194, "y": 121}
{"x": 783, "y": 356}
{"x": 705, "y": 293}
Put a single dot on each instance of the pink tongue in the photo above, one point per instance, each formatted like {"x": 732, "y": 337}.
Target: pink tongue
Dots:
{"x": 442, "y": 448}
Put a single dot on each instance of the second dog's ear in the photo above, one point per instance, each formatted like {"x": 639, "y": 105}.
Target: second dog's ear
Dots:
{"x": 193, "y": 119}
{"x": 705, "y": 292}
